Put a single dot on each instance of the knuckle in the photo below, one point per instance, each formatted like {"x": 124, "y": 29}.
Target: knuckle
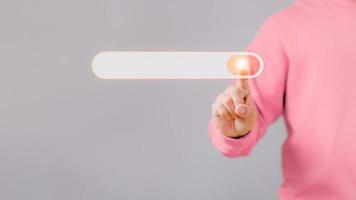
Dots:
{"x": 234, "y": 90}
{"x": 226, "y": 100}
{"x": 218, "y": 98}
{"x": 238, "y": 91}
{"x": 229, "y": 88}
{"x": 214, "y": 106}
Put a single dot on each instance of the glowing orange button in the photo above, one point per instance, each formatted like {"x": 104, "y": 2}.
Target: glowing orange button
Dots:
{"x": 245, "y": 65}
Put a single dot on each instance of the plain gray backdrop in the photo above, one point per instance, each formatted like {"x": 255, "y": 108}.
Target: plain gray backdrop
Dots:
{"x": 65, "y": 134}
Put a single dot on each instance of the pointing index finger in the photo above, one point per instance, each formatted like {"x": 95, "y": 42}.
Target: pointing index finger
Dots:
{"x": 242, "y": 82}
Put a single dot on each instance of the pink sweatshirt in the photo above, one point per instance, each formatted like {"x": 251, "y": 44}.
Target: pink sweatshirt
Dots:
{"x": 309, "y": 51}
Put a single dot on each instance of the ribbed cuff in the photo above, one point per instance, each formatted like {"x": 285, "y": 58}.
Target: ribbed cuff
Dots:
{"x": 232, "y": 147}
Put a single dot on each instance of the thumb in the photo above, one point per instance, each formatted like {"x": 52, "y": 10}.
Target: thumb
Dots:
{"x": 242, "y": 110}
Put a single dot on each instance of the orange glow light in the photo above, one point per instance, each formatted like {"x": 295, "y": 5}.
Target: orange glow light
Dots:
{"x": 243, "y": 65}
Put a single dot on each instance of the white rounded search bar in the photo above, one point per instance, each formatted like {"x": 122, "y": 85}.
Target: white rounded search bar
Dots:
{"x": 177, "y": 65}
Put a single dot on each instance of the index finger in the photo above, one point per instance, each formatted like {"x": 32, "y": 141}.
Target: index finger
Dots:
{"x": 242, "y": 83}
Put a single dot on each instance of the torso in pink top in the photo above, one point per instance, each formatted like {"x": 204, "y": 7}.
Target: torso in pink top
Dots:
{"x": 309, "y": 51}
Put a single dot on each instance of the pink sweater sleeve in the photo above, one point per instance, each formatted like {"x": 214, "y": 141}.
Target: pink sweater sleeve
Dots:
{"x": 267, "y": 91}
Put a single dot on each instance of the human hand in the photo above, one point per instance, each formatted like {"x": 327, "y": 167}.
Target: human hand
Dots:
{"x": 233, "y": 111}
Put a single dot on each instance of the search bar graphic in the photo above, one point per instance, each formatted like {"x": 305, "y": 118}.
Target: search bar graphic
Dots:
{"x": 177, "y": 65}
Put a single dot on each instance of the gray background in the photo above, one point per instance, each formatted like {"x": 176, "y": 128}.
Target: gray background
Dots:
{"x": 64, "y": 134}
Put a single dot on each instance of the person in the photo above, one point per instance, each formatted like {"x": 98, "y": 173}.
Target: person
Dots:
{"x": 309, "y": 51}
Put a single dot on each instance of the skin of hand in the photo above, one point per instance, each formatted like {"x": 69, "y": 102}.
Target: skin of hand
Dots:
{"x": 233, "y": 111}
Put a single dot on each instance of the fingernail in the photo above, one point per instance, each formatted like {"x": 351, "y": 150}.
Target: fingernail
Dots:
{"x": 241, "y": 110}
